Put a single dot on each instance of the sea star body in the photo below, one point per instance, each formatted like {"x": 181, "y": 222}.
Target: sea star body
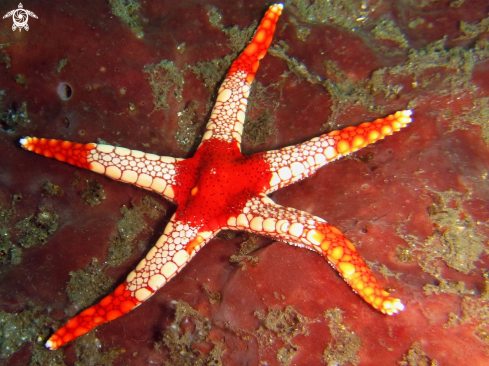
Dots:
{"x": 219, "y": 188}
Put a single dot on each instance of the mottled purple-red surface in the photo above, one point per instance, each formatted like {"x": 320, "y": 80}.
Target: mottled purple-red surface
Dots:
{"x": 415, "y": 204}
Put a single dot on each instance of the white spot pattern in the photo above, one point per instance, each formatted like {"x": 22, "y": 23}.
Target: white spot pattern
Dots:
{"x": 282, "y": 223}
{"x": 148, "y": 171}
{"x": 166, "y": 258}
{"x": 228, "y": 114}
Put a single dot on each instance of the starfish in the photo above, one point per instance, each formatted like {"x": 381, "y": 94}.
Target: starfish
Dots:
{"x": 219, "y": 188}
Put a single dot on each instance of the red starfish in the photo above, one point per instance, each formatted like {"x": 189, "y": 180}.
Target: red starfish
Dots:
{"x": 219, "y": 188}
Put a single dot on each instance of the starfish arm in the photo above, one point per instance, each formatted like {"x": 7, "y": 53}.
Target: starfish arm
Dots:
{"x": 262, "y": 216}
{"x": 173, "y": 250}
{"x": 228, "y": 115}
{"x": 149, "y": 171}
{"x": 294, "y": 163}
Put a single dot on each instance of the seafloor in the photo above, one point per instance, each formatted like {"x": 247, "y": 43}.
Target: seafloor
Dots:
{"x": 144, "y": 76}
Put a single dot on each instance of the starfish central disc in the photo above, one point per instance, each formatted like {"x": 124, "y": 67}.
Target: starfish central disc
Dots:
{"x": 217, "y": 183}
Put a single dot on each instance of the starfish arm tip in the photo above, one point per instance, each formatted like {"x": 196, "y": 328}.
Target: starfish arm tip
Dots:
{"x": 406, "y": 116}
{"x": 392, "y": 307}
{"x": 27, "y": 142}
{"x": 50, "y": 345}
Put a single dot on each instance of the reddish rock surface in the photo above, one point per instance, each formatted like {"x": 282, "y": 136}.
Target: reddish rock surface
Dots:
{"x": 415, "y": 204}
